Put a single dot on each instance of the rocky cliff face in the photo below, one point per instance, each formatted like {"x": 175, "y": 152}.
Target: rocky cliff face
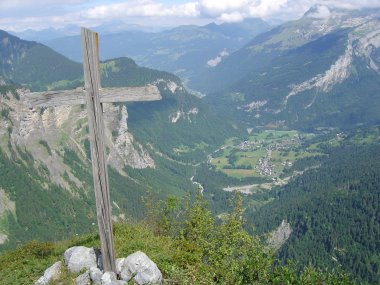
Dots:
{"x": 45, "y": 133}
{"x": 7, "y": 207}
{"x": 125, "y": 149}
{"x": 363, "y": 42}
{"x": 280, "y": 235}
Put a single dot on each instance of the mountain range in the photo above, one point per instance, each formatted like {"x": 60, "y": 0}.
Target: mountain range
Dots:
{"x": 184, "y": 50}
{"x": 313, "y": 72}
{"x": 290, "y": 119}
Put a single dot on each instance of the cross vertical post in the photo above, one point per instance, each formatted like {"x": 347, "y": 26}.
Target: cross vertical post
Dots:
{"x": 94, "y": 98}
{"x": 91, "y": 69}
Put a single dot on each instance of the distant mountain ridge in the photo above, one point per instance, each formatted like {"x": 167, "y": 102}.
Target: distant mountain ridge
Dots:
{"x": 30, "y": 63}
{"x": 301, "y": 73}
{"x": 184, "y": 50}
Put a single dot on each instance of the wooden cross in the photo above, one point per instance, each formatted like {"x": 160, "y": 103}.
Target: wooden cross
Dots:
{"x": 95, "y": 97}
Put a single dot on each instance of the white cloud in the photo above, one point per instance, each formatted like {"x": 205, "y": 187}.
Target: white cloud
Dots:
{"x": 142, "y": 9}
{"x": 22, "y": 4}
{"x": 319, "y": 12}
{"x": 216, "y": 8}
{"x": 37, "y": 14}
{"x": 218, "y": 59}
{"x": 231, "y": 17}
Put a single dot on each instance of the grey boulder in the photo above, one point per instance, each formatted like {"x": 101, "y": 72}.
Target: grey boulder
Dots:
{"x": 80, "y": 257}
{"x": 139, "y": 266}
{"x": 50, "y": 274}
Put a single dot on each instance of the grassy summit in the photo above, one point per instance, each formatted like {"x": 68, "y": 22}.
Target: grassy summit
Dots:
{"x": 187, "y": 245}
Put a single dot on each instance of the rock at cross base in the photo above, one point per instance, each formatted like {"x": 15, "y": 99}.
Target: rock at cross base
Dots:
{"x": 96, "y": 275}
{"x": 139, "y": 266}
{"x": 80, "y": 257}
{"x": 83, "y": 279}
{"x": 50, "y": 274}
{"x": 109, "y": 278}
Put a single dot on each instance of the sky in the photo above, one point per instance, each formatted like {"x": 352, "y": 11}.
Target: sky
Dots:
{"x": 20, "y": 15}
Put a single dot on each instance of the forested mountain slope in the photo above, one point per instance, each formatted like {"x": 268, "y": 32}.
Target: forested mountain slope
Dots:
{"x": 333, "y": 209}
{"x": 35, "y": 65}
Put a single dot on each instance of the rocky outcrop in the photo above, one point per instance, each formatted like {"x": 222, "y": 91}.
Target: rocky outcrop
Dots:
{"x": 280, "y": 235}
{"x": 125, "y": 150}
{"x": 63, "y": 128}
{"x": 253, "y": 106}
{"x": 169, "y": 85}
{"x": 368, "y": 43}
{"x": 7, "y": 206}
{"x": 337, "y": 73}
{"x": 363, "y": 41}
{"x": 186, "y": 115}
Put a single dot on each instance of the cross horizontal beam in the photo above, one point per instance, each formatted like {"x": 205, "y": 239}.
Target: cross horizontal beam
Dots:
{"x": 78, "y": 96}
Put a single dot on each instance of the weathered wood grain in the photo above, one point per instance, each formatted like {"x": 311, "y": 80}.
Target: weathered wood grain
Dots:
{"x": 78, "y": 96}
{"x": 98, "y": 154}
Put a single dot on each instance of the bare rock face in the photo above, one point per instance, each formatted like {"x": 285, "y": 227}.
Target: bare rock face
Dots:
{"x": 126, "y": 150}
{"x": 139, "y": 266}
{"x": 80, "y": 257}
{"x": 337, "y": 73}
{"x": 46, "y": 132}
{"x": 50, "y": 274}
{"x": 7, "y": 206}
{"x": 185, "y": 115}
{"x": 280, "y": 235}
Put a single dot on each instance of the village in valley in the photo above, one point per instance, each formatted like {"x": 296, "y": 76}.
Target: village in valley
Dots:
{"x": 264, "y": 154}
